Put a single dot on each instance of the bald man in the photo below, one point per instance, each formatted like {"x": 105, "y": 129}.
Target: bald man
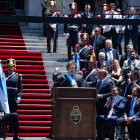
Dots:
{"x": 104, "y": 85}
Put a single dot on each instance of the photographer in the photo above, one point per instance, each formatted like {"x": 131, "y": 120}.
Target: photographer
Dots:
{"x": 124, "y": 84}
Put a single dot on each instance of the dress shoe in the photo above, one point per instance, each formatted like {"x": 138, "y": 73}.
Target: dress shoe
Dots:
{"x": 49, "y": 52}
{"x": 17, "y": 138}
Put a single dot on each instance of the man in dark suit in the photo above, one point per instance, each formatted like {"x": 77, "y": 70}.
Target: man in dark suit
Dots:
{"x": 86, "y": 14}
{"x": 131, "y": 31}
{"x": 131, "y": 113}
{"x": 113, "y": 109}
{"x": 13, "y": 117}
{"x": 97, "y": 41}
{"x": 104, "y": 85}
{"x": 126, "y": 55}
{"x": 70, "y": 79}
{"x": 110, "y": 52}
{"x": 102, "y": 61}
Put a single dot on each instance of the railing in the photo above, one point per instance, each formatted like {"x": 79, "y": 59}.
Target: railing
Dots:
{"x": 5, "y": 4}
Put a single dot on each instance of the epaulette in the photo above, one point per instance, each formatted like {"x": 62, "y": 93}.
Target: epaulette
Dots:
{"x": 77, "y": 46}
{"x": 73, "y": 53}
{"x": 58, "y": 14}
{"x": 91, "y": 48}
{"x": 78, "y": 15}
{"x": 66, "y": 16}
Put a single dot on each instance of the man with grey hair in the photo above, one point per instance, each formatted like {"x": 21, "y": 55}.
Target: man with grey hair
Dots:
{"x": 102, "y": 61}
{"x": 110, "y": 53}
{"x": 86, "y": 14}
{"x": 126, "y": 55}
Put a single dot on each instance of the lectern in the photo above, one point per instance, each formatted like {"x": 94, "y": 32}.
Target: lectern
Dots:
{"x": 73, "y": 113}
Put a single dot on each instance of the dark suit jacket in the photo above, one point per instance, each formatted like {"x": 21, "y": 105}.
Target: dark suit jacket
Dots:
{"x": 134, "y": 28}
{"x": 64, "y": 81}
{"x": 118, "y": 108}
{"x": 89, "y": 27}
{"x": 108, "y": 66}
{"x": 100, "y": 44}
{"x": 104, "y": 91}
{"x": 124, "y": 57}
{"x": 115, "y": 53}
{"x": 136, "y": 107}
{"x": 1, "y": 109}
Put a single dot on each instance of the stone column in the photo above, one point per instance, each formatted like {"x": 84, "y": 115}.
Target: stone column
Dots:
{"x": 33, "y": 8}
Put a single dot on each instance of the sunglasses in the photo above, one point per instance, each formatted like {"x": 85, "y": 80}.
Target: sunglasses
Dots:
{"x": 118, "y": 11}
{"x": 96, "y": 31}
{"x": 113, "y": 90}
{"x": 112, "y": 7}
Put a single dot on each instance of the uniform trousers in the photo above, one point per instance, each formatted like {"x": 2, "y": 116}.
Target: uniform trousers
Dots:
{"x": 72, "y": 41}
{"x": 51, "y": 34}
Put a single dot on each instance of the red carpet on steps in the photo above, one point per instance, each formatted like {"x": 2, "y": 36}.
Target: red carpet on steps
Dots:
{"x": 35, "y": 107}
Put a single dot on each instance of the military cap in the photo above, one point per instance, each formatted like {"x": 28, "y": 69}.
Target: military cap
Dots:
{"x": 91, "y": 58}
{"x": 11, "y": 62}
{"x": 84, "y": 36}
{"x": 73, "y": 5}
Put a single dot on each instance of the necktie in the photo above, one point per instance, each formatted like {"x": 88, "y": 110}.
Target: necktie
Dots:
{"x": 132, "y": 108}
{"x": 129, "y": 26}
{"x": 109, "y": 56}
{"x": 99, "y": 87}
{"x": 95, "y": 44}
{"x": 111, "y": 110}
{"x": 128, "y": 56}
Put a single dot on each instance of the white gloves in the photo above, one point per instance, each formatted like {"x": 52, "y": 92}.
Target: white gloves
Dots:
{"x": 53, "y": 26}
{"x": 66, "y": 35}
{"x": 79, "y": 35}
{"x": 18, "y": 100}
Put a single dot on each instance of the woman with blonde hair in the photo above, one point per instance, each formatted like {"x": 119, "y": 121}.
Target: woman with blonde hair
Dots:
{"x": 116, "y": 71}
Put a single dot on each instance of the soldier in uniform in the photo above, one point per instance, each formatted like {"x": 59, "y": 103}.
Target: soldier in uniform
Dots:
{"x": 14, "y": 86}
{"x": 71, "y": 30}
{"x": 52, "y": 29}
{"x": 105, "y": 8}
{"x": 90, "y": 74}
{"x": 83, "y": 49}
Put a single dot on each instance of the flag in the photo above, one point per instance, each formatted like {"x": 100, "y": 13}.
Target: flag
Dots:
{"x": 76, "y": 59}
{"x": 3, "y": 91}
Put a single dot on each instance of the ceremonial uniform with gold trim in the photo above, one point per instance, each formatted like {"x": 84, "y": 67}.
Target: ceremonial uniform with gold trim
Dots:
{"x": 52, "y": 30}
{"x": 72, "y": 29}
{"x": 83, "y": 51}
{"x": 14, "y": 86}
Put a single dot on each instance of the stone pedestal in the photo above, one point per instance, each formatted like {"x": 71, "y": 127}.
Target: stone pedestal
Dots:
{"x": 33, "y": 8}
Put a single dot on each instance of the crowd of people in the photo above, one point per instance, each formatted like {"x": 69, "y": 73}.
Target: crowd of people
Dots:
{"x": 96, "y": 63}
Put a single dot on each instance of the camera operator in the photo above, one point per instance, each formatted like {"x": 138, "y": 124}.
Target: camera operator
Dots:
{"x": 123, "y": 84}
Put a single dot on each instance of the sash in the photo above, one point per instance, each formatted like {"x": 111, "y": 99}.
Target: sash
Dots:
{"x": 90, "y": 73}
{"x": 76, "y": 59}
{"x": 72, "y": 80}
{"x": 82, "y": 49}
{"x": 10, "y": 75}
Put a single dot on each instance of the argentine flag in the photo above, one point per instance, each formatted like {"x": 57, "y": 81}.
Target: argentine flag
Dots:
{"x": 3, "y": 91}
{"x": 76, "y": 59}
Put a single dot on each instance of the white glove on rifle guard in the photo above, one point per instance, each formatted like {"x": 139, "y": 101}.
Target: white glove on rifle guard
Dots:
{"x": 18, "y": 100}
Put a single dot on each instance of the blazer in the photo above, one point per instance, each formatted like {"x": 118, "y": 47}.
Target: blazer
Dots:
{"x": 107, "y": 28}
{"x": 114, "y": 52}
{"x": 104, "y": 91}
{"x": 64, "y": 81}
{"x": 89, "y": 27}
{"x": 108, "y": 66}
{"x": 134, "y": 28}
{"x": 136, "y": 107}
{"x": 124, "y": 57}
{"x": 126, "y": 65}
{"x": 100, "y": 44}
{"x": 118, "y": 108}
